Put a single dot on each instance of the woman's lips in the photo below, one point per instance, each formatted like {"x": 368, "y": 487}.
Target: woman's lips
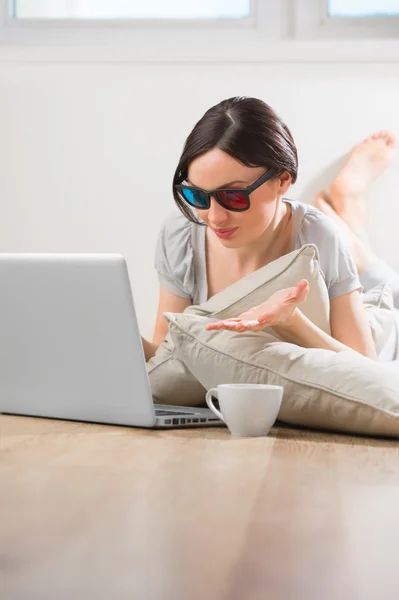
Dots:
{"x": 225, "y": 233}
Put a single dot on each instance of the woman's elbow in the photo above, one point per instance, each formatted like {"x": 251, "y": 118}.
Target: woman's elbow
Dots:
{"x": 373, "y": 355}
{"x": 368, "y": 350}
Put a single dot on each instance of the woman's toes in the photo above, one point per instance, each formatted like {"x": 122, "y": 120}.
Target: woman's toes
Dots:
{"x": 391, "y": 140}
{"x": 385, "y": 135}
{"x": 363, "y": 165}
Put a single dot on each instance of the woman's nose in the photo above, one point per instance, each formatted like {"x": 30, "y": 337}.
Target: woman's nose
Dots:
{"x": 216, "y": 213}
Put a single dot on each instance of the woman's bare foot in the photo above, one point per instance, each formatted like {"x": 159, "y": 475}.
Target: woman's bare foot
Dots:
{"x": 367, "y": 160}
{"x": 361, "y": 253}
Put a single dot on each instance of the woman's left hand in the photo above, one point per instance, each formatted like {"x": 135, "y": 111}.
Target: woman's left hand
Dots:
{"x": 277, "y": 310}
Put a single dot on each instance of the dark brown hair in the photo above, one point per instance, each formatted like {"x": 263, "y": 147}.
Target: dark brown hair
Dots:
{"x": 246, "y": 128}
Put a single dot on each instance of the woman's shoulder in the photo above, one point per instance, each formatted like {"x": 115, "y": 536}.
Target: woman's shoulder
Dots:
{"x": 174, "y": 254}
{"x": 312, "y": 226}
{"x": 176, "y": 227}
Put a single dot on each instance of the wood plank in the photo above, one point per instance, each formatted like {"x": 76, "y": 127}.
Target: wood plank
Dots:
{"x": 92, "y": 511}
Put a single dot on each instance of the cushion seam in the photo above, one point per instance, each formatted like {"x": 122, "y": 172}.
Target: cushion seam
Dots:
{"x": 162, "y": 362}
{"x": 303, "y": 250}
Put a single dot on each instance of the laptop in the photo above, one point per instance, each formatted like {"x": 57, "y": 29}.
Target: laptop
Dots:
{"x": 70, "y": 346}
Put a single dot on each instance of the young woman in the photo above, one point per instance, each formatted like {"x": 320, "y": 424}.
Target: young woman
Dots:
{"x": 237, "y": 164}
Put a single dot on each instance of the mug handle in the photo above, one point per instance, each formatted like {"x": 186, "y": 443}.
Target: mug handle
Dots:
{"x": 208, "y": 399}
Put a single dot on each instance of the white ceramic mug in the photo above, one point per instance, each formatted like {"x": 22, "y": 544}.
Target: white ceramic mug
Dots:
{"x": 248, "y": 409}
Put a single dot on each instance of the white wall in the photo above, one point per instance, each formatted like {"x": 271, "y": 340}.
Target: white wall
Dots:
{"x": 88, "y": 151}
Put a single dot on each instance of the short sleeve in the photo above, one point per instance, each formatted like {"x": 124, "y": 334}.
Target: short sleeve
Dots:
{"x": 339, "y": 269}
{"x": 174, "y": 256}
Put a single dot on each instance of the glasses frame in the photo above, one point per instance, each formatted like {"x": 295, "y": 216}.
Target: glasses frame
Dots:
{"x": 212, "y": 193}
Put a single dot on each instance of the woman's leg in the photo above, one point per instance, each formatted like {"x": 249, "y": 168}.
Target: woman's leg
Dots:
{"x": 345, "y": 204}
{"x": 347, "y": 193}
{"x": 372, "y": 270}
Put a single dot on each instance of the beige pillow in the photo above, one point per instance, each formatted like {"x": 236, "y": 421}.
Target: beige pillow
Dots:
{"x": 341, "y": 391}
{"x": 172, "y": 383}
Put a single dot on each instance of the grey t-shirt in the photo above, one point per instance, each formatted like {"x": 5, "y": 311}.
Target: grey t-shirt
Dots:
{"x": 181, "y": 264}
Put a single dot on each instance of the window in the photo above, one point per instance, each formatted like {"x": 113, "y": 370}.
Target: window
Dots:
{"x": 182, "y": 31}
{"x": 144, "y": 30}
{"x": 350, "y": 19}
{"x": 363, "y": 8}
{"x": 131, "y": 9}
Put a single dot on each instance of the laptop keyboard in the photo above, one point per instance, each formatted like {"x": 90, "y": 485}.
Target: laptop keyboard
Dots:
{"x": 160, "y": 413}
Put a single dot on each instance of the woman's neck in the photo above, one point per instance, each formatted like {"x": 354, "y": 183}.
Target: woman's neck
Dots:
{"x": 273, "y": 243}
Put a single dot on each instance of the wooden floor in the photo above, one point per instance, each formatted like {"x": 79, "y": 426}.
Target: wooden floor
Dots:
{"x": 96, "y": 512}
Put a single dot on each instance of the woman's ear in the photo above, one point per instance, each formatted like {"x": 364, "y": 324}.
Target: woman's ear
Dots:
{"x": 284, "y": 183}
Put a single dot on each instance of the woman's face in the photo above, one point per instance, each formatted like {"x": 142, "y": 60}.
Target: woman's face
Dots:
{"x": 215, "y": 169}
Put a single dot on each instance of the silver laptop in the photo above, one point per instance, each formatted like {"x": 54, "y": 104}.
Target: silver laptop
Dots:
{"x": 70, "y": 346}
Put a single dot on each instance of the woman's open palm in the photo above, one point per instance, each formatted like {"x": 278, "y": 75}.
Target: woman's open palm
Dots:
{"x": 276, "y": 310}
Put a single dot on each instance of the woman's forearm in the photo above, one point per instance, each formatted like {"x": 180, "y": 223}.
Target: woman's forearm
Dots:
{"x": 149, "y": 349}
{"x": 303, "y": 332}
